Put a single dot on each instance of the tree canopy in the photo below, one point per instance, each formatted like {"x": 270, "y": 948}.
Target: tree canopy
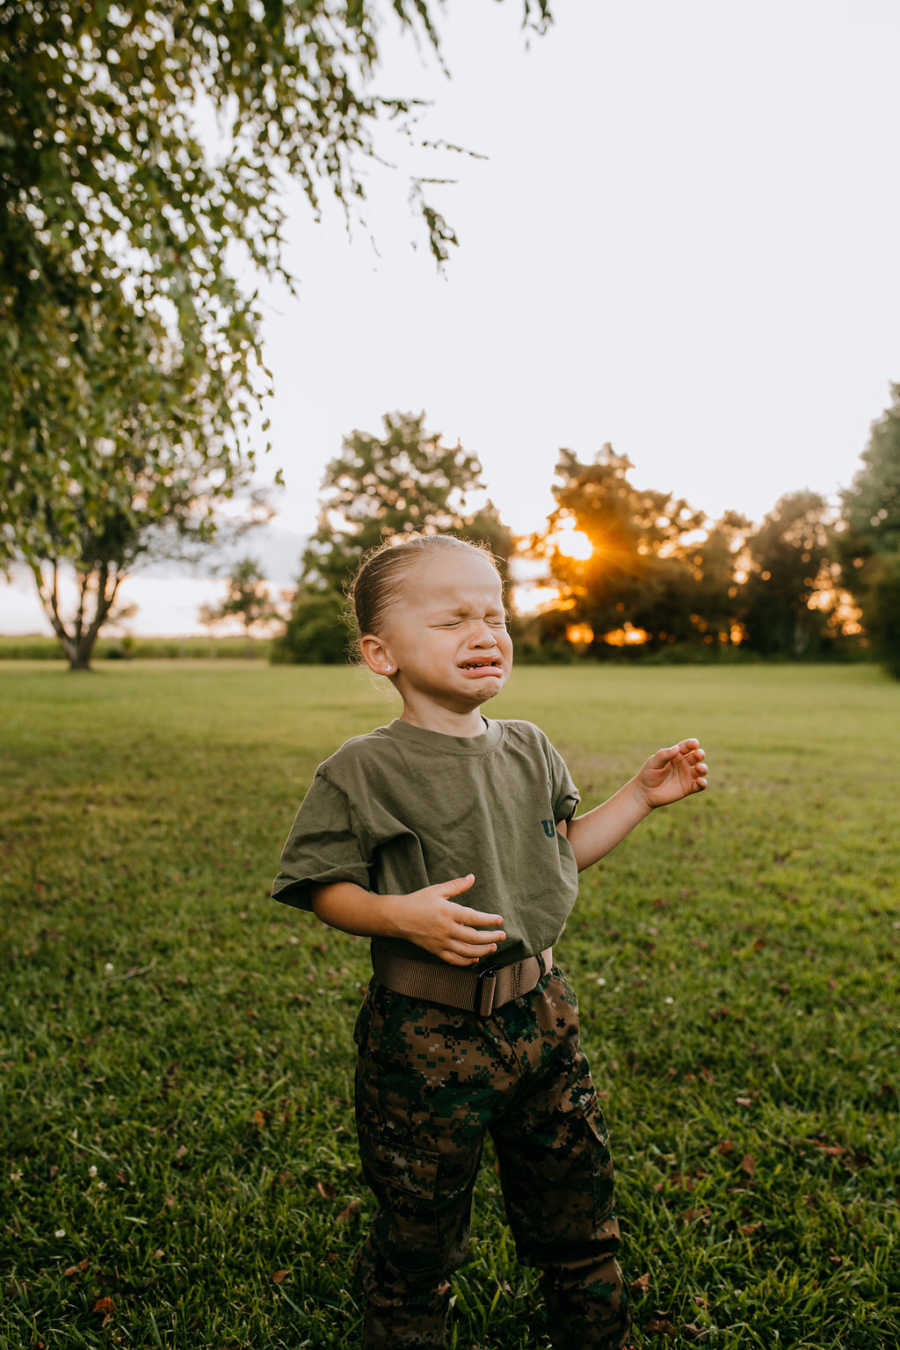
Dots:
{"x": 717, "y": 605}
{"x": 143, "y": 149}
{"x": 791, "y": 554}
{"x": 121, "y": 223}
{"x": 637, "y": 569}
{"x": 405, "y": 481}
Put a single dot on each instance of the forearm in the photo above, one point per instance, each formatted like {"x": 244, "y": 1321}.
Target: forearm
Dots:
{"x": 595, "y": 833}
{"x": 355, "y": 910}
{"x": 429, "y": 917}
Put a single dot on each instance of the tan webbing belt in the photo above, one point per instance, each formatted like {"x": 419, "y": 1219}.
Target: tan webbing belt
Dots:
{"x": 479, "y": 990}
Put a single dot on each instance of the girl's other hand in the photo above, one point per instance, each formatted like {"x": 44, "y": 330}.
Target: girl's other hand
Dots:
{"x": 432, "y": 919}
{"x": 673, "y": 773}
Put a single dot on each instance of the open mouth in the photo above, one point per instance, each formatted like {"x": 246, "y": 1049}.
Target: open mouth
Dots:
{"x": 489, "y": 663}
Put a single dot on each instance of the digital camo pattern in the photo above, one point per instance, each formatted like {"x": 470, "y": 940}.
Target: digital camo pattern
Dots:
{"x": 429, "y": 1081}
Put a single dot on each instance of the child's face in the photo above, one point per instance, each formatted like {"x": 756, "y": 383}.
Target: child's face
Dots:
{"x": 444, "y": 638}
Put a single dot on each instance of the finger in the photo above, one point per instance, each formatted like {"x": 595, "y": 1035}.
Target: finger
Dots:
{"x": 456, "y": 885}
{"x": 663, "y": 755}
{"x": 461, "y": 933}
{"x": 453, "y": 959}
{"x": 473, "y": 917}
{"x": 690, "y": 744}
{"x": 468, "y": 950}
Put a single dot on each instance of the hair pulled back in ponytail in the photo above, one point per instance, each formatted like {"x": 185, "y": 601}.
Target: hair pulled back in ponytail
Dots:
{"x": 379, "y": 576}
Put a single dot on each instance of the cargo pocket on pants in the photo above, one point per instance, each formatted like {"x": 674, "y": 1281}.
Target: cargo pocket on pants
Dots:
{"x": 602, "y": 1176}
{"x": 403, "y": 1176}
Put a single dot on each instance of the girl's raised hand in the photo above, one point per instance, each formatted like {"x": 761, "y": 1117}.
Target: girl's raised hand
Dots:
{"x": 432, "y": 919}
{"x": 672, "y": 773}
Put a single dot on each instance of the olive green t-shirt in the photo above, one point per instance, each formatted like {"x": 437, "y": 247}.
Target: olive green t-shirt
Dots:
{"x": 401, "y": 808}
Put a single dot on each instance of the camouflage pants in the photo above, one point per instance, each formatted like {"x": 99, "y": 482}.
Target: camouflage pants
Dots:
{"x": 429, "y": 1081}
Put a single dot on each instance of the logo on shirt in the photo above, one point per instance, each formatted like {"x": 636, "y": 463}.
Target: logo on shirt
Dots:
{"x": 549, "y": 828}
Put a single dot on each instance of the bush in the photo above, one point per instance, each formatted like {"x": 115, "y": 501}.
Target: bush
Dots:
{"x": 317, "y": 633}
{"x": 121, "y": 651}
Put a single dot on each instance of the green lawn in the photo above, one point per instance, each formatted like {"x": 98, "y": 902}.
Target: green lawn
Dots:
{"x": 179, "y": 1158}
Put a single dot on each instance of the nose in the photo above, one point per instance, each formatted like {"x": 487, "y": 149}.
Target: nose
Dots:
{"x": 483, "y": 635}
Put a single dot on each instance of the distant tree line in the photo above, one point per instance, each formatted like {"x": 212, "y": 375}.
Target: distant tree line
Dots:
{"x": 628, "y": 569}
{"x": 661, "y": 576}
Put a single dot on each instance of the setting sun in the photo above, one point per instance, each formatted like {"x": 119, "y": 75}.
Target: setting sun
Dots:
{"x": 572, "y": 543}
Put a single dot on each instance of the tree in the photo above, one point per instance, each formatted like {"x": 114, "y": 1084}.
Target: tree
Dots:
{"x": 377, "y": 488}
{"x": 118, "y": 523}
{"x": 869, "y": 545}
{"x": 637, "y": 570}
{"x": 150, "y": 484}
{"x": 247, "y": 597}
{"x": 121, "y": 228}
{"x": 790, "y": 557}
{"x": 718, "y": 562}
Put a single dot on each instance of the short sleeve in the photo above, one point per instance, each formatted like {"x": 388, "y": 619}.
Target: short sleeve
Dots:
{"x": 321, "y": 848}
{"x": 564, "y": 793}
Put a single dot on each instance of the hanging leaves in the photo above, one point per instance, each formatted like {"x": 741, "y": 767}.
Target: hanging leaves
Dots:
{"x": 132, "y": 358}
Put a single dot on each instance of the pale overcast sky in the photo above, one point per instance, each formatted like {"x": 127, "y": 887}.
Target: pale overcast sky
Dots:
{"x": 683, "y": 240}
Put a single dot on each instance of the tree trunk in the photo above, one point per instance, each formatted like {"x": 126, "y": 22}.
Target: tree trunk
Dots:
{"x": 79, "y": 653}
{"x": 78, "y": 645}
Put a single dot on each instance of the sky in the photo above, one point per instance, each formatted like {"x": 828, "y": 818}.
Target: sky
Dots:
{"x": 682, "y": 239}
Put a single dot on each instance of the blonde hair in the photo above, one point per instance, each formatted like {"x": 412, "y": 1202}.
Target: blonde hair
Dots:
{"x": 376, "y": 585}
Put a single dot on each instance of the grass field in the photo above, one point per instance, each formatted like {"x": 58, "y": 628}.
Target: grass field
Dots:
{"x": 179, "y": 1159}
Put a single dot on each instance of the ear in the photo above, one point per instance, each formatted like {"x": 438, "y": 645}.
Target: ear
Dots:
{"x": 376, "y": 655}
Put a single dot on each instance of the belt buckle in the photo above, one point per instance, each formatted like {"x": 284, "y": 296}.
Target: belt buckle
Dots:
{"x": 482, "y": 975}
